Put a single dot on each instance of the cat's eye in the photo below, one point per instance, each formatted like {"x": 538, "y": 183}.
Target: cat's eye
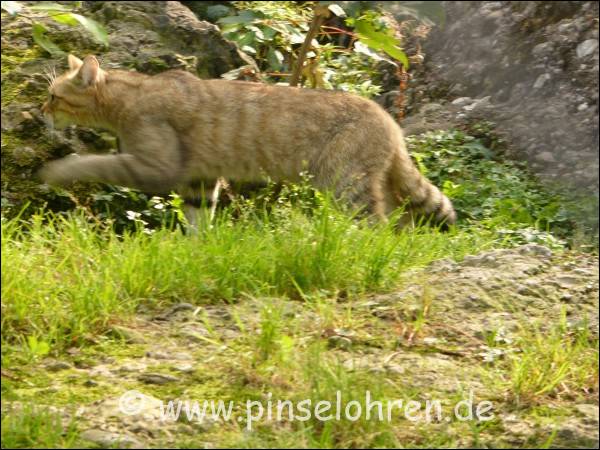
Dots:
{"x": 52, "y": 98}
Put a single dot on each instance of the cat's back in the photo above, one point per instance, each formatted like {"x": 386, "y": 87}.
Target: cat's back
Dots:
{"x": 191, "y": 87}
{"x": 187, "y": 100}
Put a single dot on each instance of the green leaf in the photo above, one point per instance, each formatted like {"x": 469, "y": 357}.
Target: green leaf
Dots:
{"x": 258, "y": 33}
{"x": 371, "y": 43}
{"x": 366, "y": 29}
{"x": 40, "y": 38}
{"x": 244, "y": 17}
{"x": 378, "y": 40}
{"x": 230, "y": 29}
{"x": 97, "y": 31}
{"x": 12, "y": 7}
{"x": 248, "y": 38}
{"x": 361, "y": 47}
{"x": 234, "y": 20}
{"x": 269, "y": 33}
{"x": 396, "y": 53}
{"x": 275, "y": 59}
{"x": 67, "y": 19}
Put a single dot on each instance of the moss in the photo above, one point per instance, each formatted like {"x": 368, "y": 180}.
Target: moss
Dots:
{"x": 66, "y": 387}
{"x": 25, "y": 146}
{"x": 50, "y": 388}
{"x": 157, "y": 65}
{"x": 11, "y": 92}
{"x": 10, "y": 140}
{"x": 18, "y": 183}
{"x": 12, "y": 58}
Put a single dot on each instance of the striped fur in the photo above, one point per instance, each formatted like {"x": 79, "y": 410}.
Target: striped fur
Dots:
{"x": 175, "y": 129}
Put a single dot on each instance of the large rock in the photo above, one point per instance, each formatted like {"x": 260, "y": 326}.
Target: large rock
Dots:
{"x": 153, "y": 36}
{"x": 538, "y": 64}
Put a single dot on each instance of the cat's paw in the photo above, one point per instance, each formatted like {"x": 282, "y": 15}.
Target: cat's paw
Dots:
{"x": 59, "y": 172}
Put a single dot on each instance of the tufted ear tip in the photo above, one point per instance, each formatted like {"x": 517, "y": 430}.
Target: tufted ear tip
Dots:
{"x": 90, "y": 59}
{"x": 90, "y": 70}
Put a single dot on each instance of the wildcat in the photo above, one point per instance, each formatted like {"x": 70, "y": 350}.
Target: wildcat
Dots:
{"x": 175, "y": 129}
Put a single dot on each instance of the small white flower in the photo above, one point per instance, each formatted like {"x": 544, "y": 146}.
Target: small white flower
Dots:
{"x": 132, "y": 215}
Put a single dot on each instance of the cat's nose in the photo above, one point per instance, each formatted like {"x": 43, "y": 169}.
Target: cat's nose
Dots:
{"x": 45, "y": 108}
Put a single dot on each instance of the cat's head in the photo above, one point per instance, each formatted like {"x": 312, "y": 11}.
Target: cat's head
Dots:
{"x": 73, "y": 96}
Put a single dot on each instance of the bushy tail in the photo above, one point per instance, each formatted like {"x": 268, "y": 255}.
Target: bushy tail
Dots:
{"x": 415, "y": 192}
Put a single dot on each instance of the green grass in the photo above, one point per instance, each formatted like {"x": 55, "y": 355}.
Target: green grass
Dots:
{"x": 36, "y": 428}
{"x": 502, "y": 194}
{"x": 64, "y": 278}
{"x": 548, "y": 359}
{"x": 562, "y": 361}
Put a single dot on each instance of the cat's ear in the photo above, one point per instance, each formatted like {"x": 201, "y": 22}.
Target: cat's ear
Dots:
{"x": 90, "y": 71}
{"x": 74, "y": 62}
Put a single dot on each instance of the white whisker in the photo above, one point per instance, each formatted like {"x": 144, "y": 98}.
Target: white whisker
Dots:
{"x": 49, "y": 75}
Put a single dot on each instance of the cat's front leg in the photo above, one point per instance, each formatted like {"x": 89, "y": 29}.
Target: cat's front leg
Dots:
{"x": 150, "y": 162}
{"x": 122, "y": 170}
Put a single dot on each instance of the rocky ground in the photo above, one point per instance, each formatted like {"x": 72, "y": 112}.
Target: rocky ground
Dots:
{"x": 452, "y": 326}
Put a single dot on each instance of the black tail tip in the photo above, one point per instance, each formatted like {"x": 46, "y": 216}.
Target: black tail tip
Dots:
{"x": 447, "y": 221}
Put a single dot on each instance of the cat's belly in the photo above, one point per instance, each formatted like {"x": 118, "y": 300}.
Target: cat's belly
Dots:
{"x": 248, "y": 164}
